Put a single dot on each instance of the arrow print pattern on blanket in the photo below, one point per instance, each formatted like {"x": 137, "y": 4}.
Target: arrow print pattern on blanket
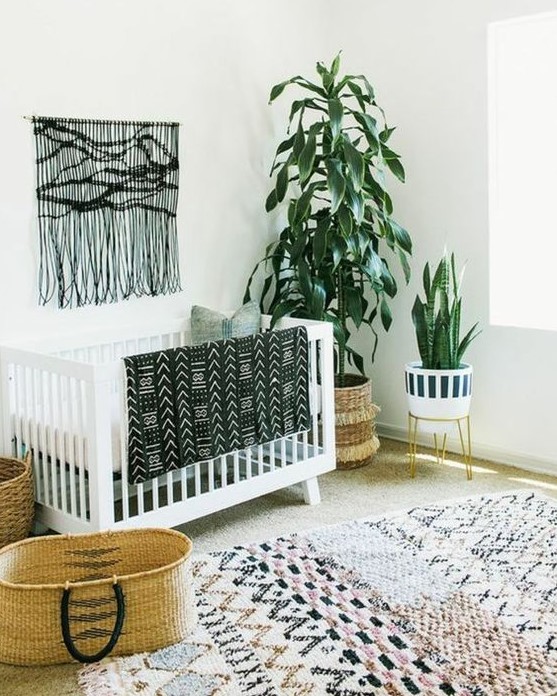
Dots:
{"x": 194, "y": 403}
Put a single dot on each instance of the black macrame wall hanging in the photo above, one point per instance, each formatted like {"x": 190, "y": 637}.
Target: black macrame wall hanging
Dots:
{"x": 107, "y": 194}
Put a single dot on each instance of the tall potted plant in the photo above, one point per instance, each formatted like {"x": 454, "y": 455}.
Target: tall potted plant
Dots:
{"x": 439, "y": 386}
{"x": 331, "y": 260}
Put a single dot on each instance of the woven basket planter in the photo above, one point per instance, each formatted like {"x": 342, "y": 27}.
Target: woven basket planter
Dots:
{"x": 82, "y": 597}
{"x": 356, "y": 441}
{"x": 16, "y": 499}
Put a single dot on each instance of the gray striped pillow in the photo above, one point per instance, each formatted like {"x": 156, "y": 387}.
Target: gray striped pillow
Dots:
{"x": 208, "y": 325}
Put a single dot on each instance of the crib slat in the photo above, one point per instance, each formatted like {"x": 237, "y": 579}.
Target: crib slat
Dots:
{"x": 314, "y": 397}
{"x": 81, "y": 450}
{"x": 236, "y": 467}
{"x": 155, "y": 493}
{"x": 272, "y": 456}
{"x": 169, "y": 489}
{"x": 35, "y": 436}
{"x": 140, "y": 499}
{"x": 305, "y": 449}
{"x": 283, "y": 461}
{"x": 72, "y": 419}
{"x": 42, "y": 439}
{"x": 197, "y": 476}
{"x": 25, "y": 428}
{"x": 59, "y": 415}
{"x": 248, "y": 463}
{"x": 223, "y": 471}
{"x": 327, "y": 396}
{"x": 183, "y": 484}
{"x": 18, "y": 411}
{"x": 51, "y": 442}
{"x": 211, "y": 474}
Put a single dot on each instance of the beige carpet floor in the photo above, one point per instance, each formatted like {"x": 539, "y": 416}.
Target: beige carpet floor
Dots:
{"x": 383, "y": 486}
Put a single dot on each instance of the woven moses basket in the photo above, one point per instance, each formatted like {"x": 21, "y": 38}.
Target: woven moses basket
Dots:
{"x": 89, "y": 595}
{"x": 16, "y": 499}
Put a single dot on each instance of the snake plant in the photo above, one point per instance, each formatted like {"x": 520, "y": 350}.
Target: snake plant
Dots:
{"x": 331, "y": 260}
{"x": 437, "y": 320}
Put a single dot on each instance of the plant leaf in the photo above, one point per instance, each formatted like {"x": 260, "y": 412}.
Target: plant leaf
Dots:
{"x": 271, "y": 202}
{"x": 285, "y": 145}
{"x": 336, "y": 113}
{"x": 282, "y": 309}
{"x": 356, "y": 359}
{"x": 397, "y": 169}
{"x": 299, "y": 142}
{"x": 296, "y": 106}
{"x": 355, "y": 163}
{"x": 304, "y": 276}
{"x": 355, "y": 203}
{"x": 369, "y": 127}
{"x": 303, "y": 205}
{"x": 356, "y": 90}
{"x": 338, "y": 252}
{"x": 306, "y": 84}
{"x": 427, "y": 279}
{"x": 335, "y": 65}
{"x": 386, "y": 316}
{"x": 422, "y": 331}
{"x": 386, "y": 134}
{"x": 277, "y": 90}
{"x": 326, "y": 77}
{"x": 345, "y": 221}
{"x": 466, "y": 341}
{"x": 318, "y": 298}
{"x": 298, "y": 247}
{"x": 336, "y": 183}
{"x": 402, "y": 237}
{"x": 320, "y": 242}
{"x": 354, "y": 308}
{"x": 282, "y": 183}
{"x": 307, "y": 157}
{"x": 405, "y": 265}
{"x": 389, "y": 283}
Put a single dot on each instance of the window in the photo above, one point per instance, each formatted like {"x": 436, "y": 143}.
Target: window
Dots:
{"x": 522, "y": 97}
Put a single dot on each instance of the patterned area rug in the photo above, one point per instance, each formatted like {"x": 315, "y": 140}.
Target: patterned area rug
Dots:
{"x": 448, "y": 600}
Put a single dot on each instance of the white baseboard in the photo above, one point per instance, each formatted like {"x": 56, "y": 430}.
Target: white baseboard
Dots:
{"x": 539, "y": 465}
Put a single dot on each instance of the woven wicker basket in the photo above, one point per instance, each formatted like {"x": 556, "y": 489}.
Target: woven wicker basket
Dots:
{"x": 89, "y": 595}
{"x": 16, "y": 499}
{"x": 356, "y": 441}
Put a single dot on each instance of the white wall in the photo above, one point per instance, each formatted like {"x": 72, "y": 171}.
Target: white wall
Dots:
{"x": 210, "y": 65}
{"x": 428, "y": 60}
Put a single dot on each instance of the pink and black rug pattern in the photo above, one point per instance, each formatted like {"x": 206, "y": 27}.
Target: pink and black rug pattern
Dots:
{"x": 447, "y": 600}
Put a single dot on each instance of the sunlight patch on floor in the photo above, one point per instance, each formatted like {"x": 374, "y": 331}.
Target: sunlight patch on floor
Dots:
{"x": 533, "y": 482}
{"x": 453, "y": 464}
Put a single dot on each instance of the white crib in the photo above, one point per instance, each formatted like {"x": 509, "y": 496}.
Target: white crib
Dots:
{"x": 65, "y": 403}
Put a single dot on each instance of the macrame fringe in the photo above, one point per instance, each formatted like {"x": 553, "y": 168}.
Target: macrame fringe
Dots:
{"x": 104, "y": 256}
{"x": 355, "y": 453}
{"x": 366, "y": 413}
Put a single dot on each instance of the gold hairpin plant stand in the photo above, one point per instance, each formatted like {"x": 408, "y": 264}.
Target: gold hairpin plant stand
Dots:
{"x": 440, "y": 451}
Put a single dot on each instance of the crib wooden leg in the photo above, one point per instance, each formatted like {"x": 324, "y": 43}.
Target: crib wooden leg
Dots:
{"x": 310, "y": 488}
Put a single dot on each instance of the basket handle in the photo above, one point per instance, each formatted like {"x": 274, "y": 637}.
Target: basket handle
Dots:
{"x": 65, "y": 621}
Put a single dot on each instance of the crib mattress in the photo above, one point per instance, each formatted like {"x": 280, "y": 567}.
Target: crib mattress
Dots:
{"x": 40, "y": 434}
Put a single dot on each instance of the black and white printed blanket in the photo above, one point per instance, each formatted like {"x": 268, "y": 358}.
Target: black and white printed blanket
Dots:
{"x": 197, "y": 402}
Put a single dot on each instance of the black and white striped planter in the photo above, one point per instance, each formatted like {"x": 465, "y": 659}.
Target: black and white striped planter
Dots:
{"x": 437, "y": 396}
